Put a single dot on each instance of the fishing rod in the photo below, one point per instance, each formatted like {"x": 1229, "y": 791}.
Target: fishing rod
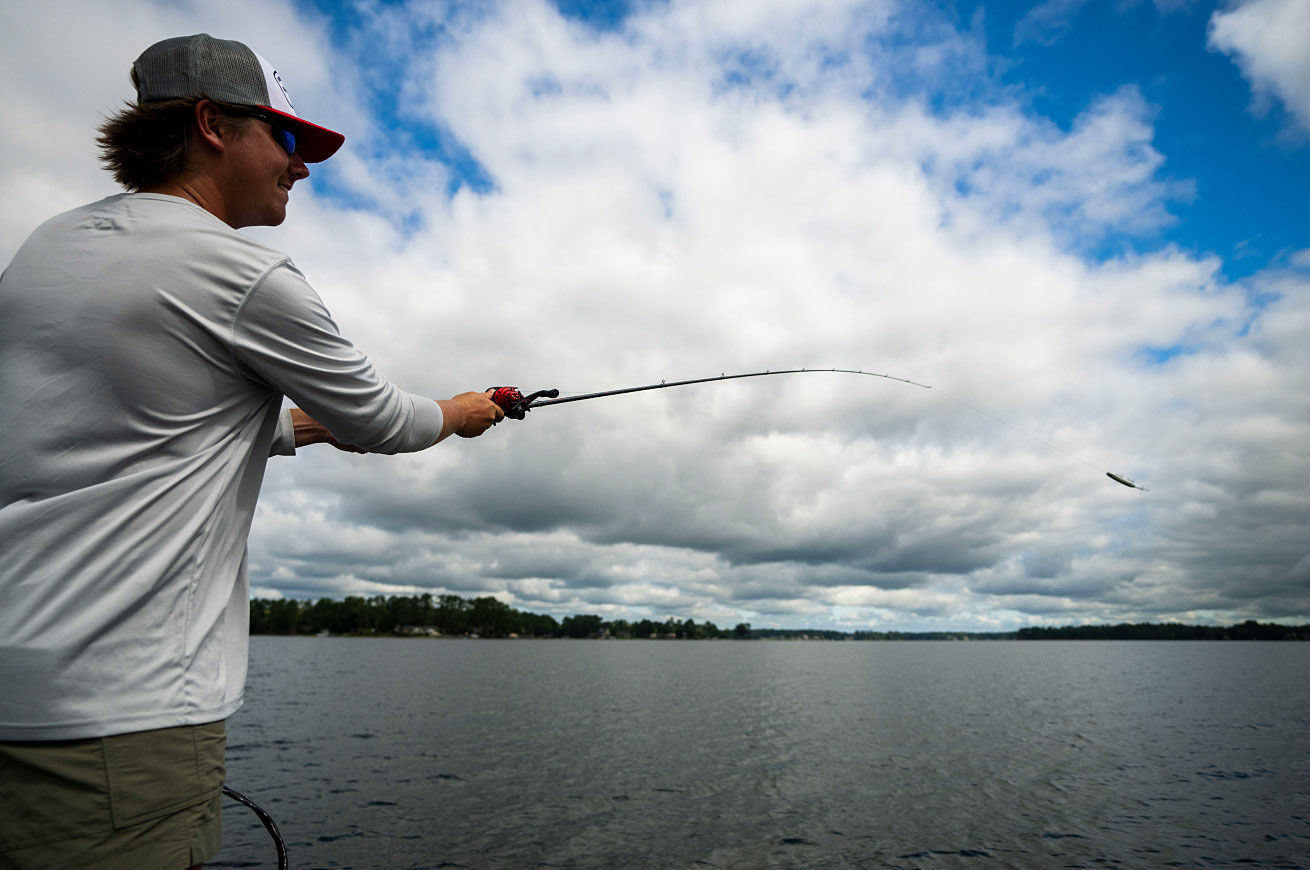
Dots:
{"x": 516, "y": 405}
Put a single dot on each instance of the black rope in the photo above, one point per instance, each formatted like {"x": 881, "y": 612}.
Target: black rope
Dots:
{"x": 269, "y": 824}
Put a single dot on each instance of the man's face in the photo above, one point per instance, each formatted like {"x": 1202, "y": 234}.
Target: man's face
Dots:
{"x": 259, "y": 177}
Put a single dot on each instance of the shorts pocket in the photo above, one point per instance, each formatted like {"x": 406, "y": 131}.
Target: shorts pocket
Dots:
{"x": 156, "y": 773}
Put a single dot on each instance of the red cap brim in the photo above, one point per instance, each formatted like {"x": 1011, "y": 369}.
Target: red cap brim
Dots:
{"x": 314, "y": 144}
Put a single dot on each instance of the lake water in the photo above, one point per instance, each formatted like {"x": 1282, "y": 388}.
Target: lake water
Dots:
{"x": 669, "y": 754}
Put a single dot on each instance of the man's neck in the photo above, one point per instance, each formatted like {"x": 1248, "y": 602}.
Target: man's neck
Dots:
{"x": 196, "y": 189}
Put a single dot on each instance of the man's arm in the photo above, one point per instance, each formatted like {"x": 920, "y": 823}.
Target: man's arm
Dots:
{"x": 467, "y": 415}
{"x": 286, "y": 339}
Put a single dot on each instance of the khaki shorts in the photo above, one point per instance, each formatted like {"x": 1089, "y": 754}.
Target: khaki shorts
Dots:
{"x": 145, "y": 801}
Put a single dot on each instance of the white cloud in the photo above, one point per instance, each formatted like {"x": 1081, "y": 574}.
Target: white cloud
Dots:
{"x": 1047, "y": 22}
{"x": 1268, "y": 39}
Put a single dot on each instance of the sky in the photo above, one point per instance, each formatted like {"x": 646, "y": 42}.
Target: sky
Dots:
{"x": 1082, "y": 223}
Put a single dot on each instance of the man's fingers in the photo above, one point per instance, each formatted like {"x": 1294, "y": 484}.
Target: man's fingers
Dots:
{"x": 480, "y": 414}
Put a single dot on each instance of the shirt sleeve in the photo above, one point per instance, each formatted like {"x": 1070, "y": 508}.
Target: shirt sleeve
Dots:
{"x": 284, "y": 438}
{"x": 284, "y": 337}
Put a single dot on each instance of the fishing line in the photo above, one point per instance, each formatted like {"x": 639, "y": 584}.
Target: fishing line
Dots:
{"x": 1128, "y": 482}
{"x": 1020, "y": 431}
{"x": 516, "y": 405}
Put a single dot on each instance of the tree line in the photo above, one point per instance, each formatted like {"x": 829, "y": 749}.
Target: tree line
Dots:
{"x": 462, "y": 617}
{"x": 490, "y": 617}
{"x": 1248, "y": 630}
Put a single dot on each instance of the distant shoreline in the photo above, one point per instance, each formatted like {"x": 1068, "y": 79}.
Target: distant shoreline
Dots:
{"x": 487, "y": 617}
{"x": 999, "y": 637}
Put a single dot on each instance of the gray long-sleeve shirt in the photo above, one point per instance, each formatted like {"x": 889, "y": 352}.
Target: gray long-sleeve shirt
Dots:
{"x": 145, "y": 348}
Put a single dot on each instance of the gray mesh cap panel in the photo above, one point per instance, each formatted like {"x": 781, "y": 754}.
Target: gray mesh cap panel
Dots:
{"x": 200, "y": 65}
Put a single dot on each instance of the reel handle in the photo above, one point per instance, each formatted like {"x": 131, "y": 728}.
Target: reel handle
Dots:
{"x": 514, "y": 403}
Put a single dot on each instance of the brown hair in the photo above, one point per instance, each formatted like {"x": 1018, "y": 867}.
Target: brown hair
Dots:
{"x": 147, "y": 144}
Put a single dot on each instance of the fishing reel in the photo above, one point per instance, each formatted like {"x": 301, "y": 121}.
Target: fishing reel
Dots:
{"x": 515, "y": 404}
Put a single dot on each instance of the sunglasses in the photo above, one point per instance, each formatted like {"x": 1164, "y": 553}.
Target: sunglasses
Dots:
{"x": 281, "y": 135}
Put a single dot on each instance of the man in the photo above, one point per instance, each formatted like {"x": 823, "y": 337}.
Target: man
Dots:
{"x": 145, "y": 350}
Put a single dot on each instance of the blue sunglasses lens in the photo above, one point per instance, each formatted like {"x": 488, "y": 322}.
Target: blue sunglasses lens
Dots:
{"x": 285, "y": 138}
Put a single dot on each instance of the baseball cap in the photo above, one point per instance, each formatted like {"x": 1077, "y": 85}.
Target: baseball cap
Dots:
{"x": 227, "y": 70}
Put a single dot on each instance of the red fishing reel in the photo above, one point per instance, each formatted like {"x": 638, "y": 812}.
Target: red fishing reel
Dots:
{"x": 515, "y": 404}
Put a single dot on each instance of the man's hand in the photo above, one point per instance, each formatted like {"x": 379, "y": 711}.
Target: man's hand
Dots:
{"x": 468, "y": 415}
{"x": 310, "y": 431}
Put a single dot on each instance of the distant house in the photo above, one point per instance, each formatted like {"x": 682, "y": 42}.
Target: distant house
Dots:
{"x": 416, "y": 631}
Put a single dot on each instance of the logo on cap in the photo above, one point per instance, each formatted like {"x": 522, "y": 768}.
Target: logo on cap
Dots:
{"x": 277, "y": 78}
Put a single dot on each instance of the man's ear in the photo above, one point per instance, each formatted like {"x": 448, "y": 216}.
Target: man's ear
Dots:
{"x": 208, "y": 124}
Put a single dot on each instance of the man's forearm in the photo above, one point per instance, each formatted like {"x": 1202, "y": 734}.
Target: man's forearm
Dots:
{"x": 467, "y": 415}
{"x": 452, "y": 418}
